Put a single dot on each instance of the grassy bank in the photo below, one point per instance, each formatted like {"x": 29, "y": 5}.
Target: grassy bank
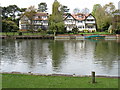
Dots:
{"x": 31, "y": 81}
{"x": 38, "y": 33}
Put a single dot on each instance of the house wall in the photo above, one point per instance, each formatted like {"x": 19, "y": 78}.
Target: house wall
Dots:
{"x": 88, "y": 24}
{"x": 38, "y": 22}
{"x": 70, "y": 22}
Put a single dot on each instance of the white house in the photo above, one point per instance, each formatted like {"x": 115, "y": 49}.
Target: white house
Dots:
{"x": 40, "y": 21}
{"x": 81, "y": 21}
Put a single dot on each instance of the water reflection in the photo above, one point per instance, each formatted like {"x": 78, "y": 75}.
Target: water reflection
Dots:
{"x": 67, "y": 57}
{"x": 106, "y": 54}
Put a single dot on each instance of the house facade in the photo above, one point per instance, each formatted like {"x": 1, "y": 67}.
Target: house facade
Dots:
{"x": 40, "y": 20}
{"x": 81, "y": 21}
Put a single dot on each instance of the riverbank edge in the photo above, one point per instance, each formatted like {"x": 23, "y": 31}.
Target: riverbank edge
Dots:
{"x": 59, "y": 36}
{"x": 35, "y": 81}
{"x": 65, "y": 75}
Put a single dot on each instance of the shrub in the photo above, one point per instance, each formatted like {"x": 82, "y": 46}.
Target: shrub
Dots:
{"x": 85, "y": 31}
{"x": 93, "y": 31}
{"x": 75, "y": 30}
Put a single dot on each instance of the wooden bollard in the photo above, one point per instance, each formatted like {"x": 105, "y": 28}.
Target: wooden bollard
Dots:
{"x": 93, "y": 77}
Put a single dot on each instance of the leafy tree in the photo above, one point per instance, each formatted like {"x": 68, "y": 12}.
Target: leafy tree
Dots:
{"x": 4, "y": 12}
{"x": 42, "y": 7}
{"x": 103, "y": 15}
{"x": 75, "y": 30}
{"x": 56, "y": 23}
{"x": 9, "y": 26}
{"x": 64, "y": 9}
{"x": 30, "y": 13}
{"x": 23, "y": 9}
{"x": 85, "y": 11}
{"x": 116, "y": 22}
{"x": 109, "y": 8}
{"x": 76, "y": 11}
{"x": 0, "y": 19}
{"x": 95, "y": 7}
{"x": 12, "y": 11}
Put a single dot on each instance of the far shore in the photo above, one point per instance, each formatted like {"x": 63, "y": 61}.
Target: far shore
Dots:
{"x": 58, "y": 36}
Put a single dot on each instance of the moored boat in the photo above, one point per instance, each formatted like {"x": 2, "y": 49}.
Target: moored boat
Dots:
{"x": 94, "y": 37}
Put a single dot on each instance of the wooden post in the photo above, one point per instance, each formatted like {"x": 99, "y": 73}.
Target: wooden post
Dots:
{"x": 93, "y": 77}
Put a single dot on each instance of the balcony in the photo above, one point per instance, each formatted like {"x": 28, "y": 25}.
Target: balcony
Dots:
{"x": 92, "y": 22}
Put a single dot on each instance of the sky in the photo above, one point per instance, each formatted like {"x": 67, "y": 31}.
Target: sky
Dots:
{"x": 70, "y": 3}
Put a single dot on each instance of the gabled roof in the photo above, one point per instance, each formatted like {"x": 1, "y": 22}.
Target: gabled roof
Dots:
{"x": 79, "y": 17}
{"x": 65, "y": 17}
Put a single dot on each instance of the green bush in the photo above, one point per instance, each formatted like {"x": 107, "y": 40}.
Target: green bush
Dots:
{"x": 20, "y": 33}
{"x": 93, "y": 31}
{"x": 85, "y": 31}
{"x": 75, "y": 30}
{"x": 39, "y": 30}
{"x": 50, "y": 32}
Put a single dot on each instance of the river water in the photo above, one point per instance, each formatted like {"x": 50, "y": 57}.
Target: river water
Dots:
{"x": 78, "y": 57}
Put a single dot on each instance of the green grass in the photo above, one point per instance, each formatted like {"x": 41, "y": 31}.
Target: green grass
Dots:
{"x": 38, "y": 33}
{"x": 96, "y": 33}
{"x": 31, "y": 81}
{"x": 16, "y": 33}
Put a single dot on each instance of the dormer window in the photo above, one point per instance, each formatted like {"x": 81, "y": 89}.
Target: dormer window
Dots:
{"x": 80, "y": 16}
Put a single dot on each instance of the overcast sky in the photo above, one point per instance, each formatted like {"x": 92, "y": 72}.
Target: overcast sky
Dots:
{"x": 70, "y": 3}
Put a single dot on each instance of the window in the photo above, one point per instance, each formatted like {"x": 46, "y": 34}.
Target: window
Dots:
{"x": 89, "y": 26}
{"x": 23, "y": 27}
{"x": 80, "y": 26}
{"x": 90, "y": 19}
{"x": 79, "y": 21}
{"x": 80, "y": 16}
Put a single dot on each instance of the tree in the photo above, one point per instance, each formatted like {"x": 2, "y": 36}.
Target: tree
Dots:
{"x": 75, "y": 30}
{"x": 103, "y": 19}
{"x": 12, "y": 11}
{"x": 64, "y": 9}
{"x": 95, "y": 7}
{"x": 42, "y": 7}
{"x": 9, "y": 26}
{"x": 56, "y": 23}
{"x": 116, "y": 22}
{"x": 23, "y": 9}
{"x": 4, "y": 13}
{"x": 76, "y": 11}
{"x": 100, "y": 18}
{"x": 85, "y": 11}
{"x": 30, "y": 13}
{"x": 103, "y": 15}
{"x": 109, "y": 8}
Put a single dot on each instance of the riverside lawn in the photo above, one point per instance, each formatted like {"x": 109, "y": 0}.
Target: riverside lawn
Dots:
{"x": 33, "y": 81}
{"x": 44, "y": 33}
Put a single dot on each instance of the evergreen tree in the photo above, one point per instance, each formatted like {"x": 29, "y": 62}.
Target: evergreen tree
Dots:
{"x": 42, "y": 7}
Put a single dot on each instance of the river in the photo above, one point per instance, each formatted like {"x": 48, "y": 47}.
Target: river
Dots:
{"x": 78, "y": 57}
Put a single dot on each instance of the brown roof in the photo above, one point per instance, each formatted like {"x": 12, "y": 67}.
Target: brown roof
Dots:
{"x": 41, "y": 14}
{"x": 80, "y": 16}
